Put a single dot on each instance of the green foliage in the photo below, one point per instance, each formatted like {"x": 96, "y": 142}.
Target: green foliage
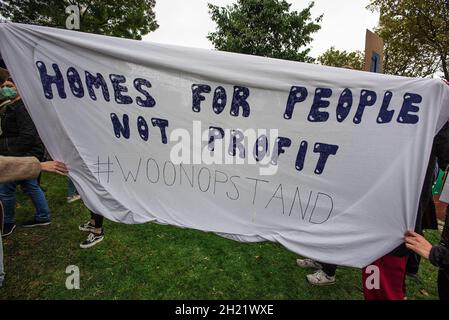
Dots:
{"x": 342, "y": 59}
{"x": 264, "y": 28}
{"x": 416, "y": 36}
{"x": 121, "y": 18}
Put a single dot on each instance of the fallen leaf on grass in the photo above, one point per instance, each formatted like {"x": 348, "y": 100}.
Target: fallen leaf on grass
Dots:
{"x": 424, "y": 292}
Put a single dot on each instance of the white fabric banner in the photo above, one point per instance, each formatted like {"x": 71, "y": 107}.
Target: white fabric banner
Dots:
{"x": 328, "y": 162}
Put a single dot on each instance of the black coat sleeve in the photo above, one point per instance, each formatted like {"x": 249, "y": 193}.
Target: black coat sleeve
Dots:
{"x": 439, "y": 256}
{"x": 21, "y": 144}
{"x": 3, "y": 147}
{"x": 441, "y": 146}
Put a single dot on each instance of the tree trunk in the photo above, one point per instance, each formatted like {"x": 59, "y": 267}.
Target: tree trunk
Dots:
{"x": 445, "y": 67}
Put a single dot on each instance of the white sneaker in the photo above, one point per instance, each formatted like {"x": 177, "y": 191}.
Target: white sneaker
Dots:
{"x": 308, "y": 263}
{"x": 87, "y": 227}
{"x": 92, "y": 239}
{"x": 320, "y": 278}
{"x": 73, "y": 198}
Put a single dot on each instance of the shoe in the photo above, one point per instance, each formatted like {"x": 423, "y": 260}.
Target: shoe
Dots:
{"x": 87, "y": 227}
{"x": 73, "y": 198}
{"x": 92, "y": 239}
{"x": 320, "y": 278}
{"x": 308, "y": 263}
{"x": 8, "y": 228}
{"x": 35, "y": 223}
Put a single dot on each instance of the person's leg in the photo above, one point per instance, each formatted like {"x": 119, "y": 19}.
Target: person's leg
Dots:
{"x": 95, "y": 227}
{"x": 324, "y": 276}
{"x": 90, "y": 226}
{"x": 329, "y": 269}
{"x": 8, "y": 199}
{"x": 33, "y": 189}
{"x": 71, "y": 189}
{"x": 443, "y": 284}
{"x": 2, "y": 269}
{"x": 97, "y": 222}
{"x": 2, "y": 272}
{"x": 72, "y": 193}
{"x": 92, "y": 218}
{"x": 443, "y": 275}
{"x": 392, "y": 270}
{"x": 445, "y": 235}
{"x": 2, "y": 218}
{"x": 308, "y": 263}
{"x": 413, "y": 262}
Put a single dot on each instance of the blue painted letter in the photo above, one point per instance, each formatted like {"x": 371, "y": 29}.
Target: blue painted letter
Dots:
{"x": 297, "y": 95}
{"x": 48, "y": 80}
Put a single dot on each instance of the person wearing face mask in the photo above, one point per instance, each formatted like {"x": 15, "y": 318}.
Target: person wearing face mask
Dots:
{"x": 6, "y": 94}
{"x": 19, "y": 138}
{"x": 10, "y": 143}
{"x": 20, "y": 168}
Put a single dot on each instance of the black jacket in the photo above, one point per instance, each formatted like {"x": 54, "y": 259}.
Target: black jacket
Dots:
{"x": 19, "y": 136}
{"x": 426, "y": 217}
{"x": 439, "y": 257}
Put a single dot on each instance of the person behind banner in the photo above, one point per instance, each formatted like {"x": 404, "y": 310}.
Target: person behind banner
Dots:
{"x": 438, "y": 255}
{"x": 19, "y": 137}
{"x": 20, "y": 168}
{"x": 95, "y": 229}
{"x": 72, "y": 193}
{"x": 427, "y": 217}
{"x": 324, "y": 274}
{"x": 392, "y": 271}
{"x": 394, "y": 266}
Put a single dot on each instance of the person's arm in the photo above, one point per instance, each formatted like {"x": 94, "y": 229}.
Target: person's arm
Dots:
{"x": 55, "y": 167}
{"x": 18, "y": 168}
{"x": 438, "y": 255}
{"x": 23, "y": 168}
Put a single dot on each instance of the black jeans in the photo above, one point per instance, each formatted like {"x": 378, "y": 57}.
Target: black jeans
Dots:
{"x": 443, "y": 274}
{"x": 98, "y": 219}
{"x": 443, "y": 284}
{"x": 445, "y": 235}
{"x": 413, "y": 261}
{"x": 329, "y": 269}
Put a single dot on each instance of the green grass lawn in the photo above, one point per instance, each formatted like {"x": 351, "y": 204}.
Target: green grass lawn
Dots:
{"x": 152, "y": 261}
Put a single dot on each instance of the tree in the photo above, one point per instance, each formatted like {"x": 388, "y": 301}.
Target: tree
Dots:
{"x": 416, "y": 36}
{"x": 343, "y": 59}
{"x": 121, "y": 18}
{"x": 264, "y": 28}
